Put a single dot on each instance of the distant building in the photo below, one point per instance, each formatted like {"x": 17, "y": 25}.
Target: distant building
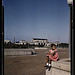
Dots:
{"x": 38, "y": 41}
{"x": 7, "y": 41}
{"x": 57, "y": 42}
{"x": 31, "y": 43}
{"x": 34, "y": 41}
{"x": 22, "y": 42}
{"x": 18, "y": 43}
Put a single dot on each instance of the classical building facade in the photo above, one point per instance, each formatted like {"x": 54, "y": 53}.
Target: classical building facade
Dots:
{"x": 39, "y": 41}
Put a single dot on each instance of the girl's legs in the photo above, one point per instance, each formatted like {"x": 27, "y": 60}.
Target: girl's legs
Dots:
{"x": 49, "y": 63}
{"x": 47, "y": 60}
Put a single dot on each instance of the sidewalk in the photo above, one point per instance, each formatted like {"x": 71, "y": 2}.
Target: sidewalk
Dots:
{"x": 61, "y": 67}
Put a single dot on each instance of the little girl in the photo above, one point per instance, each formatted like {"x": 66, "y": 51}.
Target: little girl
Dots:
{"x": 51, "y": 56}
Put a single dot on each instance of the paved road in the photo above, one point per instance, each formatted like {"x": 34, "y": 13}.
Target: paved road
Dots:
{"x": 30, "y": 64}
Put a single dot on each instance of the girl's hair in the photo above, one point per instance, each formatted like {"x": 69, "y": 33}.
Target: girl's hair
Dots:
{"x": 52, "y": 45}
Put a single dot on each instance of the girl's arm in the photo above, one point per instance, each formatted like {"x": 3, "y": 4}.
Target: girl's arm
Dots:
{"x": 51, "y": 53}
{"x": 55, "y": 50}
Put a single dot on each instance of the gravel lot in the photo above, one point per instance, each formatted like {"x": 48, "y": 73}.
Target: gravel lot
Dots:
{"x": 30, "y": 64}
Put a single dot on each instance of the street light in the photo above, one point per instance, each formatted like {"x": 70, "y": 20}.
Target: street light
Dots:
{"x": 70, "y": 2}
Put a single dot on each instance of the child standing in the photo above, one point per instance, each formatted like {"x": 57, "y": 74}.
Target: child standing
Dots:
{"x": 51, "y": 56}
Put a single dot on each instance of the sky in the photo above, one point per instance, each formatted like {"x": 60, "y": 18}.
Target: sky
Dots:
{"x": 27, "y": 19}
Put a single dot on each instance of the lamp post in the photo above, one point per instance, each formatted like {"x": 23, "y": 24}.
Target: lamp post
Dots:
{"x": 70, "y": 3}
{"x": 70, "y": 27}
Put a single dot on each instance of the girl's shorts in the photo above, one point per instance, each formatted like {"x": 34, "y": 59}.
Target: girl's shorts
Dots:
{"x": 54, "y": 58}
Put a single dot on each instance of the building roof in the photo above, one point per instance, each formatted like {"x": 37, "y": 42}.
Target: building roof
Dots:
{"x": 38, "y": 39}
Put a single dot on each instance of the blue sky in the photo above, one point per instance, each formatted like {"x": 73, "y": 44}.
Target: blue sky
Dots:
{"x": 27, "y": 19}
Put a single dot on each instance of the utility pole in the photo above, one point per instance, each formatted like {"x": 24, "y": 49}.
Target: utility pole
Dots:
{"x": 58, "y": 42}
{"x": 14, "y": 39}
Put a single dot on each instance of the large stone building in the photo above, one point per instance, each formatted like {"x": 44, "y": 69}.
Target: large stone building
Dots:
{"x": 39, "y": 41}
